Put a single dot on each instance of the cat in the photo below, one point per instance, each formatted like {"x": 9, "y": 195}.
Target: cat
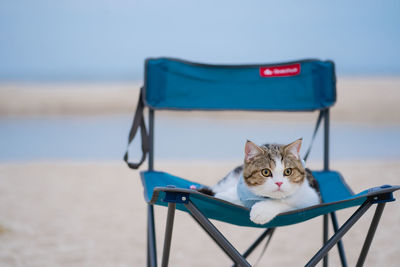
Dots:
{"x": 272, "y": 180}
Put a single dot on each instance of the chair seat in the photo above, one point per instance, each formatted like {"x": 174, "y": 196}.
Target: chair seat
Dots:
{"x": 335, "y": 194}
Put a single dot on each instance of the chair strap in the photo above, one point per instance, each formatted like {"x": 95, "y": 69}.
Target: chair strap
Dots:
{"x": 138, "y": 122}
{"x": 321, "y": 114}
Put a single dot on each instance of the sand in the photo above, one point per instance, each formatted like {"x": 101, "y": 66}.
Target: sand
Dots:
{"x": 371, "y": 100}
{"x": 93, "y": 214}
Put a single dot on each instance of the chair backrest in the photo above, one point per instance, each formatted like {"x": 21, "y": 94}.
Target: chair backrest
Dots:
{"x": 304, "y": 85}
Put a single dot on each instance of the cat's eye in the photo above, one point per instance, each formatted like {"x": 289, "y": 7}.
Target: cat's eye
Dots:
{"x": 266, "y": 172}
{"x": 287, "y": 171}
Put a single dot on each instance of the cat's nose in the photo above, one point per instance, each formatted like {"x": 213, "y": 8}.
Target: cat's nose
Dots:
{"x": 278, "y": 184}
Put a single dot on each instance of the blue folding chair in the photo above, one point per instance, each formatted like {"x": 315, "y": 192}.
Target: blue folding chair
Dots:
{"x": 306, "y": 85}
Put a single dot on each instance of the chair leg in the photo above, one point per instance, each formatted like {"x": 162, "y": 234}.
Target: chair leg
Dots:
{"x": 148, "y": 251}
{"x": 370, "y": 235}
{"x": 151, "y": 238}
{"x": 340, "y": 243}
{"x": 340, "y": 233}
{"x": 258, "y": 241}
{"x": 148, "y": 244}
{"x": 168, "y": 234}
{"x": 266, "y": 233}
{"x": 325, "y": 238}
{"x": 216, "y": 235}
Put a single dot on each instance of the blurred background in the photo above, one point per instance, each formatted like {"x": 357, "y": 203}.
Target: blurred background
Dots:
{"x": 70, "y": 73}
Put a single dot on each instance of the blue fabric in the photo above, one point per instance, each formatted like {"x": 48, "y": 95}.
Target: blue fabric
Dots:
{"x": 335, "y": 194}
{"x": 176, "y": 84}
{"x": 246, "y": 196}
{"x": 332, "y": 186}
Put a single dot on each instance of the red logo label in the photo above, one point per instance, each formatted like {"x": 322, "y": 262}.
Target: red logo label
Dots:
{"x": 280, "y": 71}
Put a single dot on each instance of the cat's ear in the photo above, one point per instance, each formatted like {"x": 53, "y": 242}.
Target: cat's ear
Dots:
{"x": 294, "y": 147}
{"x": 251, "y": 150}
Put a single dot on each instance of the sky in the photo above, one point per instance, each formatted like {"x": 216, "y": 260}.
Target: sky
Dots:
{"x": 108, "y": 40}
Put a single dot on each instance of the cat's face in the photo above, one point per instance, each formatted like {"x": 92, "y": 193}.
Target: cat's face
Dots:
{"x": 274, "y": 171}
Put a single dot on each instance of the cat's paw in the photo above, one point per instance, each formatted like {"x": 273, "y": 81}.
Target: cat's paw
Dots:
{"x": 262, "y": 213}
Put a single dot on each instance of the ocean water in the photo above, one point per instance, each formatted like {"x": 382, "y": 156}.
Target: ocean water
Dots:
{"x": 105, "y": 138}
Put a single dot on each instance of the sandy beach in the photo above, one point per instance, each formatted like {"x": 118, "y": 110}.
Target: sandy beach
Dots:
{"x": 92, "y": 213}
{"x": 371, "y": 100}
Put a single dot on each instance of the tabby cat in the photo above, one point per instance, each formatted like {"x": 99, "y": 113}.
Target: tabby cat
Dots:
{"x": 272, "y": 180}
